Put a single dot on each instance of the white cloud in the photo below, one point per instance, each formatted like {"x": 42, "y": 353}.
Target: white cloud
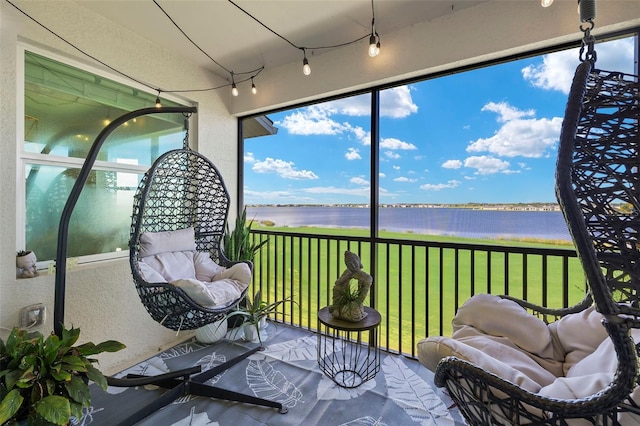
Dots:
{"x": 382, "y": 175}
{"x": 506, "y": 112}
{"x": 360, "y": 192}
{"x": 452, "y": 164}
{"x": 397, "y": 102}
{"x": 470, "y": 177}
{"x": 404, "y": 179}
{"x": 249, "y": 158}
{"x": 284, "y": 169}
{"x": 486, "y": 165}
{"x": 359, "y": 181}
{"x": 529, "y": 137}
{"x": 391, "y": 154}
{"x": 314, "y": 120}
{"x": 352, "y": 154}
{"x": 557, "y": 69}
{"x": 439, "y": 186}
{"x": 396, "y": 167}
{"x": 393, "y": 143}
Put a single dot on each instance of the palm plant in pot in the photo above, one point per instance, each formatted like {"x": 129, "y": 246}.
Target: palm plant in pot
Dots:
{"x": 254, "y": 313}
{"x": 45, "y": 381}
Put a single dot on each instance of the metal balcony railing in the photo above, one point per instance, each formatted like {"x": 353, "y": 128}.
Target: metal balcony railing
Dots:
{"x": 418, "y": 285}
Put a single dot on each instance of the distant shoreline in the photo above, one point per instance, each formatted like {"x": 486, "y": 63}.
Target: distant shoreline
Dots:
{"x": 531, "y": 207}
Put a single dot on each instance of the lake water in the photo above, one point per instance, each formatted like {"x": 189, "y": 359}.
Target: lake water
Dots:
{"x": 468, "y": 223}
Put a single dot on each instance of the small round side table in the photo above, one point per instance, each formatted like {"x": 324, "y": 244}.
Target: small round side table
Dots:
{"x": 348, "y": 352}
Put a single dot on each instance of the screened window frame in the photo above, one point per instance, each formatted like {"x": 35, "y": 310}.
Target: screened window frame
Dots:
{"x": 25, "y": 158}
{"x": 375, "y": 106}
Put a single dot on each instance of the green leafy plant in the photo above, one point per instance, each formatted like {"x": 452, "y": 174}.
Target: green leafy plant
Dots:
{"x": 349, "y": 295}
{"x": 252, "y": 311}
{"x": 45, "y": 381}
{"x": 237, "y": 244}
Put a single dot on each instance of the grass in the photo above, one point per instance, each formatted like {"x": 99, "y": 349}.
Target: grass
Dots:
{"x": 418, "y": 289}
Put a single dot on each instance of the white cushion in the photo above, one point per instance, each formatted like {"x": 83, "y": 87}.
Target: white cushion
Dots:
{"x": 432, "y": 349}
{"x": 500, "y": 317}
{"x": 205, "y": 268}
{"x": 196, "y": 290}
{"x": 578, "y": 335}
{"x": 159, "y": 242}
{"x": 172, "y": 265}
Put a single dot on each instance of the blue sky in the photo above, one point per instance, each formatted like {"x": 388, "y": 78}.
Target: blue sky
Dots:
{"x": 484, "y": 136}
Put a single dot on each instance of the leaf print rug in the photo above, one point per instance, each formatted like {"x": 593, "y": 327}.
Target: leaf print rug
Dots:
{"x": 402, "y": 392}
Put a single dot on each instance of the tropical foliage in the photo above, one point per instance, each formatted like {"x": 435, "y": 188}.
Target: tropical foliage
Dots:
{"x": 45, "y": 381}
{"x": 238, "y": 244}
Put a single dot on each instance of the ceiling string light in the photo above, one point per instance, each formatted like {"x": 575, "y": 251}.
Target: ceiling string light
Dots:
{"x": 546, "y": 3}
{"x": 374, "y": 40}
{"x": 234, "y": 89}
{"x": 306, "y": 68}
{"x": 253, "y": 73}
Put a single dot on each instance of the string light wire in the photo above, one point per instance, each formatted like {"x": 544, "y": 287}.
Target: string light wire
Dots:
{"x": 254, "y": 73}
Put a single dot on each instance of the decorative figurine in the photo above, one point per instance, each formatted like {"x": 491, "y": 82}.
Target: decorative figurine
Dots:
{"x": 347, "y": 301}
{"x": 26, "y": 264}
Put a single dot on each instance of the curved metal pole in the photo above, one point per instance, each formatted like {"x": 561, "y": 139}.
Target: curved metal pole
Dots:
{"x": 63, "y": 228}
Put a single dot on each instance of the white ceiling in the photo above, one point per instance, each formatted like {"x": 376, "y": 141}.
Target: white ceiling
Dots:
{"x": 240, "y": 44}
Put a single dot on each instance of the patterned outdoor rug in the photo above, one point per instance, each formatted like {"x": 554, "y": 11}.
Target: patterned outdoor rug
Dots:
{"x": 402, "y": 393}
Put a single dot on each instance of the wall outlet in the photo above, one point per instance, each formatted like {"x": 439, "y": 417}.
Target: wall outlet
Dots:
{"x": 32, "y": 316}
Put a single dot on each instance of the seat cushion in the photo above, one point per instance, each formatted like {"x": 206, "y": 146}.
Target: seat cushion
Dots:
{"x": 578, "y": 335}
{"x": 512, "y": 365}
{"x": 159, "y": 242}
{"x": 205, "y": 282}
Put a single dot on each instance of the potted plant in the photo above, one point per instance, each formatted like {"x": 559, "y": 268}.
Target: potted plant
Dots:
{"x": 45, "y": 381}
{"x": 237, "y": 244}
{"x": 254, "y": 313}
{"x": 26, "y": 264}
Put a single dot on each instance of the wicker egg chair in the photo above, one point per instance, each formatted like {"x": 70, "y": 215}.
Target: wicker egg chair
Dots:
{"x": 183, "y": 190}
{"x": 598, "y": 188}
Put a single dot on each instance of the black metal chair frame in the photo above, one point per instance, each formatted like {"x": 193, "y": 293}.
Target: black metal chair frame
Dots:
{"x": 181, "y": 189}
{"x": 598, "y": 188}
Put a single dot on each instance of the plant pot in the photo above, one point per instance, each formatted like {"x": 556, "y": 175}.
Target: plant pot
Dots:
{"x": 26, "y": 265}
{"x": 250, "y": 332}
{"x": 213, "y": 332}
{"x": 262, "y": 324}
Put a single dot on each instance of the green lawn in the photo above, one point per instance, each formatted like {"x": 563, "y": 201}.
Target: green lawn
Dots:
{"x": 417, "y": 289}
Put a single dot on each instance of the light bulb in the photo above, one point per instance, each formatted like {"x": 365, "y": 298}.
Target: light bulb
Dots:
{"x": 234, "y": 90}
{"x": 306, "y": 68}
{"x": 253, "y": 89}
{"x": 546, "y": 3}
{"x": 158, "y": 103}
{"x": 374, "y": 48}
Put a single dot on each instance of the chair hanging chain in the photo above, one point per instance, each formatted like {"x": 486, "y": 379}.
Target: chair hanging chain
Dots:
{"x": 588, "y": 43}
{"x": 185, "y": 141}
{"x": 587, "y": 9}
